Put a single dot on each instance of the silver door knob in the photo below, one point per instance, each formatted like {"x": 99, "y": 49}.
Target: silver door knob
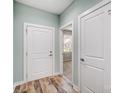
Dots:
{"x": 51, "y": 51}
{"x": 50, "y": 54}
{"x": 82, "y": 59}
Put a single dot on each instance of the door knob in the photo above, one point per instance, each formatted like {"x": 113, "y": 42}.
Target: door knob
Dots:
{"x": 82, "y": 59}
{"x": 50, "y": 54}
{"x": 51, "y": 51}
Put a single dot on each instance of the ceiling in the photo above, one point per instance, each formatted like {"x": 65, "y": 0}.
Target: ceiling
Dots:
{"x": 53, "y": 6}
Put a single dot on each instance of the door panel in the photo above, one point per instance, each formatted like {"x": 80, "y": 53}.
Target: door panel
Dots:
{"x": 95, "y": 62}
{"x": 93, "y": 35}
{"x": 40, "y": 43}
{"x": 91, "y": 79}
{"x": 94, "y": 79}
{"x": 94, "y": 50}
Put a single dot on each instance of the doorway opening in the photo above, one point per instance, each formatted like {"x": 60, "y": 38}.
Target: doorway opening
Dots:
{"x": 67, "y": 54}
{"x": 66, "y": 51}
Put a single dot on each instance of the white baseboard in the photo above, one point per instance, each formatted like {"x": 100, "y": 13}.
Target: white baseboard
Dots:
{"x": 69, "y": 81}
{"x": 18, "y": 83}
{"x": 57, "y": 73}
{"x": 76, "y": 88}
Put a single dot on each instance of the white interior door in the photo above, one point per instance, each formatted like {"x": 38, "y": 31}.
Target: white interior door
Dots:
{"x": 95, "y": 51}
{"x": 40, "y": 52}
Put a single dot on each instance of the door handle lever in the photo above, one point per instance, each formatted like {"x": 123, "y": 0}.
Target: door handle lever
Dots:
{"x": 82, "y": 59}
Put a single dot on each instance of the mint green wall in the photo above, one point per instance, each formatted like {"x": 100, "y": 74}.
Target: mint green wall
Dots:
{"x": 71, "y": 13}
{"x": 23, "y": 13}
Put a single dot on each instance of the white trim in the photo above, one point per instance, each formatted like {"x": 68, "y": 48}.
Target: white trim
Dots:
{"x": 25, "y": 47}
{"x": 70, "y": 82}
{"x": 61, "y": 64}
{"x": 97, "y": 6}
{"x": 79, "y": 53}
{"x": 54, "y": 49}
{"x": 61, "y": 58}
{"x": 94, "y": 8}
{"x": 57, "y": 73}
{"x": 76, "y": 88}
{"x": 18, "y": 83}
{"x": 24, "y": 51}
{"x": 69, "y": 23}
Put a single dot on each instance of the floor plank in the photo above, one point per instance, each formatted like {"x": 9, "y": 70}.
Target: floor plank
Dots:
{"x": 67, "y": 69}
{"x": 52, "y": 84}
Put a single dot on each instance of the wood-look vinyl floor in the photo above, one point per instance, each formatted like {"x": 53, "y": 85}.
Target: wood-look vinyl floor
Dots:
{"x": 52, "y": 84}
{"x": 67, "y": 69}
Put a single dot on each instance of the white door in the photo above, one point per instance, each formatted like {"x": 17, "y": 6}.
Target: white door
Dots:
{"x": 40, "y": 52}
{"x": 95, "y": 51}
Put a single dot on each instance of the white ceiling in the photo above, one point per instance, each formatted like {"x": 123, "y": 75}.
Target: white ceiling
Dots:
{"x": 53, "y": 6}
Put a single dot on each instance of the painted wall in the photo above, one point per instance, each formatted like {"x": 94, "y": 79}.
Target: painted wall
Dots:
{"x": 71, "y": 13}
{"x": 23, "y": 13}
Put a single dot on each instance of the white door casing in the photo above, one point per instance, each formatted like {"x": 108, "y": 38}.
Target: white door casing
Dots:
{"x": 95, "y": 51}
{"x": 40, "y": 52}
{"x": 61, "y": 51}
{"x": 61, "y": 35}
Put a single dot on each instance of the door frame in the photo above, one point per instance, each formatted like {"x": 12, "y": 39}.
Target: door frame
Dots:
{"x": 94, "y": 8}
{"x": 25, "y": 60}
{"x": 61, "y": 49}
